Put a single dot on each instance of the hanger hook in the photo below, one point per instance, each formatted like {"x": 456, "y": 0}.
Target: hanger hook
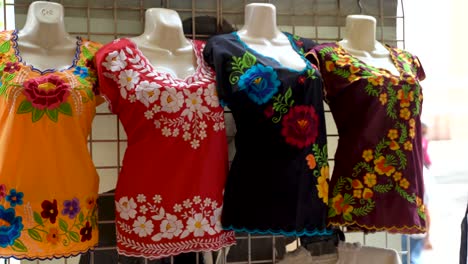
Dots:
{"x": 360, "y": 6}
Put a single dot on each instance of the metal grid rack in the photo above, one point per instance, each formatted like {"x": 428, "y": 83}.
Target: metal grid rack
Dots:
{"x": 105, "y": 20}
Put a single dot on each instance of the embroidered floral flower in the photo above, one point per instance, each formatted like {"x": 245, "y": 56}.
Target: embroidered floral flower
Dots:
{"x": 300, "y": 126}
{"x": 311, "y": 161}
{"x": 14, "y": 198}
{"x": 149, "y": 114}
{"x": 322, "y": 187}
{"x": 147, "y": 92}
{"x": 357, "y": 193}
{"x": 376, "y": 80}
{"x": 215, "y": 220}
{"x": 3, "y": 191}
{"x": 392, "y": 134}
{"x": 49, "y": 210}
{"x": 412, "y": 123}
{"x": 367, "y": 193}
{"x": 412, "y": 132}
{"x": 46, "y": 91}
{"x": 408, "y": 146}
{"x": 397, "y": 176}
{"x": 194, "y": 104}
{"x": 187, "y": 203}
{"x": 156, "y": 108}
{"x": 128, "y": 79}
{"x": 71, "y": 208}
{"x": 86, "y": 232}
{"x": 207, "y": 202}
{"x": 383, "y": 98}
{"x": 171, "y": 100}
{"x": 214, "y": 204}
{"x": 198, "y": 225}
{"x": 187, "y": 136}
{"x": 301, "y": 79}
{"x": 330, "y": 66}
{"x": 370, "y": 179}
{"x": 143, "y": 209}
{"x": 394, "y": 145}
{"x": 405, "y": 113}
{"x": 197, "y": 200}
{"x": 80, "y": 71}
{"x": 299, "y": 43}
{"x": 405, "y": 98}
{"x": 357, "y": 184}
{"x": 195, "y": 143}
{"x": 260, "y": 82}
{"x": 368, "y": 155}
{"x": 11, "y": 67}
{"x": 115, "y": 61}
{"x": 404, "y": 183}
{"x": 90, "y": 203}
{"x": 211, "y": 95}
{"x": 353, "y": 78}
{"x": 166, "y": 131}
{"x": 157, "y": 198}
{"x": 269, "y": 112}
{"x": 90, "y": 65}
{"x": 177, "y": 208}
{"x": 131, "y": 98}
{"x": 171, "y": 227}
{"x": 126, "y": 208}
{"x": 340, "y": 206}
{"x": 381, "y": 167}
{"x": 10, "y": 226}
{"x": 53, "y": 236}
{"x": 418, "y": 201}
{"x": 353, "y": 69}
{"x": 343, "y": 60}
{"x": 410, "y": 80}
{"x": 325, "y": 172}
{"x": 394, "y": 81}
{"x": 141, "y": 227}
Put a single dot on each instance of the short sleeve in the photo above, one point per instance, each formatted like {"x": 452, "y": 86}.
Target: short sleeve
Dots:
{"x": 420, "y": 74}
{"x": 108, "y": 85}
{"x": 213, "y": 54}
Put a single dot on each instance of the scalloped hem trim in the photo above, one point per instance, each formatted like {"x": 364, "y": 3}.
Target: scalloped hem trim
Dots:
{"x": 391, "y": 229}
{"x": 69, "y": 255}
{"x": 226, "y": 240}
{"x": 305, "y": 232}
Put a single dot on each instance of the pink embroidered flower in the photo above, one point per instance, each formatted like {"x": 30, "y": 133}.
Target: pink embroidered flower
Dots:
{"x": 300, "y": 126}
{"x": 3, "y": 191}
{"x": 46, "y": 92}
{"x": 11, "y": 67}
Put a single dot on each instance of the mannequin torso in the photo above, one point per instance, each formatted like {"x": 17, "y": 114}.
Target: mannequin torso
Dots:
{"x": 360, "y": 42}
{"x": 261, "y": 34}
{"x": 43, "y": 41}
{"x": 163, "y": 43}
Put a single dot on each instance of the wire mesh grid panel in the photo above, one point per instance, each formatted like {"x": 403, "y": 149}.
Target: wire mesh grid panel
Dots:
{"x": 105, "y": 20}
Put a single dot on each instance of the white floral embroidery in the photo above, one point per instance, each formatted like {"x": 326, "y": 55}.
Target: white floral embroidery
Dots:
{"x": 171, "y": 100}
{"x": 157, "y": 123}
{"x": 221, "y": 125}
{"x": 157, "y": 198}
{"x": 156, "y": 108}
{"x": 147, "y": 92}
{"x": 126, "y": 208}
{"x": 177, "y": 208}
{"x": 198, "y": 225}
{"x": 194, "y": 104}
{"x": 207, "y": 202}
{"x": 197, "y": 199}
{"x": 216, "y": 220}
{"x": 216, "y": 127}
{"x": 166, "y": 131}
{"x": 186, "y": 126}
{"x": 115, "y": 61}
{"x": 211, "y": 96}
{"x": 171, "y": 226}
{"x": 149, "y": 114}
{"x": 132, "y": 98}
{"x": 141, "y": 227}
{"x": 214, "y": 204}
{"x": 195, "y": 143}
{"x": 127, "y": 80}
{"x": 187, "y": 203}
{"x": 143, "y": 209}
{"x": 175, "y": 132}
{"x": 187, "y": 136}
{"x": 202, "y": 134}
{"x": 141, "y": 198}
{"x": 203, "y": 125}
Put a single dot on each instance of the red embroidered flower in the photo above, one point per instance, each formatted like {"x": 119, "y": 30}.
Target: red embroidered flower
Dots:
{"x": 11, "y": 67}
{"x": 49, "y": 210}
{"x": 269, "y": 111}
{"x": 301, "y": 79}
{"x": 46, "y": 92}
{"x": 3, "y": 191}
{"x": 300, "y": 126}
{"x": 86, "y": 232}
{"x": 299, "y": 43}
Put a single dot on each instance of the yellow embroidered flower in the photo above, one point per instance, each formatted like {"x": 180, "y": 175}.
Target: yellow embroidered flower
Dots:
{"x": 370, "y": 179}
{"x": 353, "y": 69}
{"x": 357, "y": 184}
{"x": 394, "y": 145}
{"x": 408, "y": 146}
{"x": 404, "y": 183}
{"x": 311, "y": 161}
{"x": 325, "y": 172}
{"x": 353, "y": 78}
{"x": 394, "y": 80}
{"x": 343, "y": 60}
{"x": 383, "y": 98}
{"x": 53, "y": 236}
{"x": 392, "y": 134}
{"x": 412, "y": 123}
{"x": 405, "y": 99}
{"x": 322, "y": 188}
{"x": 410, "y": 80}
{"x": 367, "y": 155}
{"x": 405, "y": 113}
{"x": 339, "y": 205}
{"x": 382, "y": 168}
{"x": 367, "y": 194}
{"x": 397, "y": 176}
{"x": 357, "y": 193}
{"x": 377, "y": 80}
{"x": 330, "y": 66}
{"x": 418, "y": 201}
{"x": 412, "y": 132}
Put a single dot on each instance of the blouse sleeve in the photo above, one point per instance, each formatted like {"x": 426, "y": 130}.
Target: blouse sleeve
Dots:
{"x": 420, "y": 74}
{"x": 108, "y": 84}
{"x": 213, "y": 55}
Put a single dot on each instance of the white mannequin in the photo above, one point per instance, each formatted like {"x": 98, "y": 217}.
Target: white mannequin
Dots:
{"x": 43, "y": 41}
{"x": 163, "y": 43}
{"x": 261, "y": 34}
{"x": 360, "y": 41}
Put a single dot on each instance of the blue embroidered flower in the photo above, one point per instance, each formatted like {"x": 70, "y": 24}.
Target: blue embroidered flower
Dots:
{"x": 15, "y": 198}
{"x": 71, "y": 208}
{"x": 10, "y": 227}
{"x": 81, "y": 71}
{"x": 260, "y": 82}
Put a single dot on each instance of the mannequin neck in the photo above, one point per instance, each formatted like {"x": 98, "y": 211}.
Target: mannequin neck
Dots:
{"x": 260, "y": 21}
{"x": 163, "y": 30}
{"x": 44, "y": 26}
{"x": 360, "y": 33}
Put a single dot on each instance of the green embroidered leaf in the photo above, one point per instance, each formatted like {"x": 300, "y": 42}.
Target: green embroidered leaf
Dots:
{"x": 364, "y": 210}
{"x": 381, "y": 145}
{"x": 403, "y": 134}
{"x": 404, "y": 194}
{"x": 392, "y": 100}
{"x": 331, "y": 212}
{"x": 89, "y": 93}
{"x": 74, "y": 236}
{"x": 83, "y": 81}
{"x": 9, "y": 77}
{"x": 362, "y": 165}
{"x": 370, "y": 90}
{"x": 421, "y": 214}
{"x": 63, "y": 225}
{"x": 349, "y": 199}
{"x": 366, "y": 74}
{"x": 325, "y": 51}
{"x": 339, "y": 186}
{"x": 52, "y": 114}
{"x": 348, "y": 217}
{"x": 402, "y": 157}
{"x": 88, "y": 55}
{"x": 81, "y": 217}
{"x": 234, "y": 77}
{"x": 383, "y": 188}
{"x": 3, "y": 89}
{"x": 390, "y": 160}
{"x": 38, "y": 219}
{"x": 37, "y": 114}
{"x": 65, "y": 108}
{"x": 406, "y": 67}
{"x": 25, "y": 107}
{"x": 5, "y": 47}
{"x": 288, "y": 94}
{"x": 248, "y": 59}
{"x": 34, "y": 235}
{"x": 342, "y": 73}
{"x": 334, "y": 57}
{"x": 2, "y": 67}
{"x": 19, "y": 246}
{"x": 417, "y": 109}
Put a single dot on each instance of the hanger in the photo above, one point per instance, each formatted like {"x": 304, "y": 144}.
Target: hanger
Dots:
{"x": 360, "y": 7}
